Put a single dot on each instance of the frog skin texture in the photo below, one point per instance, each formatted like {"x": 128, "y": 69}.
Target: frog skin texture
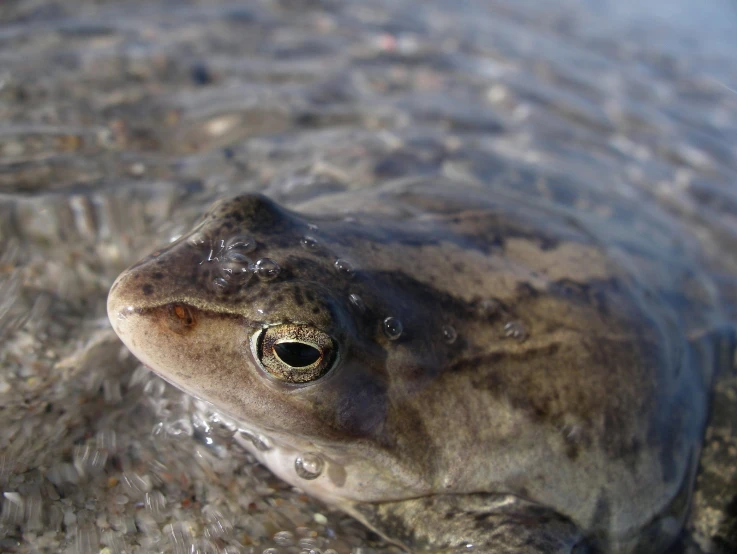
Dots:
{"x": 450, "y": 369}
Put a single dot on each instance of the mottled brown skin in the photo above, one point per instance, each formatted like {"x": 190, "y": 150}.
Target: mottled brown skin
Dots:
{"x": 580, "y": 434}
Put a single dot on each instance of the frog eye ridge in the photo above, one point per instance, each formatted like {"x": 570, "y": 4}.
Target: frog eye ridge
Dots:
{"x": 295, "y": 354}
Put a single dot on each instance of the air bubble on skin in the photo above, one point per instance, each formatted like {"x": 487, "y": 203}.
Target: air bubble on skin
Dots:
{"x": 489, "y": 306}
{"x": 197, "y": 239}
{"x": 393, "y": 328}
{"x": 236, "y": 268}
{"x": 240, "y": 243}
{"x": 308, "y": 242}
{"x": 516, "y": 330}
{"x": 309, "y": 466}
{"x": 449, "y": 334}
{"x": 267, "y": 269}
{"x": 357, "y": 302}
{"x": 220, "y": 283}
{"x": 344, "y": 267}
{"x": 260, "y": 442}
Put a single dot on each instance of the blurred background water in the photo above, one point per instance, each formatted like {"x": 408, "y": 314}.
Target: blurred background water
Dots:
{"x": 120, "y": 120}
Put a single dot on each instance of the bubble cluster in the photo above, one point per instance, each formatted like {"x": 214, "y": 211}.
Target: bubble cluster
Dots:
{"x": 234, "y": 265}
{"x": 392, "y": 328}
{"x": 309, "y": 466}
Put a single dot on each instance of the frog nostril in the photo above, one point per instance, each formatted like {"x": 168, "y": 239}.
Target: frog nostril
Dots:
{"x": 297, "y": 354}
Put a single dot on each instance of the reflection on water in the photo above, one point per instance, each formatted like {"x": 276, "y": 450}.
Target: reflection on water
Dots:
{"x": 120, "y": 121}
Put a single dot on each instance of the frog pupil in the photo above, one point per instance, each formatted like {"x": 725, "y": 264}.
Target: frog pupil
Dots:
{"x": 296, "y": 354}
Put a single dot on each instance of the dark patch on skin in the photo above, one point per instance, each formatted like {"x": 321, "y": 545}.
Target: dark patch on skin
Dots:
{"x": 592, "y": 293}
{"x": 666, "y": 442}
{"x": 623, "y": 444}
{"x": 362, "y": 409}
{"x": 571, "y": 445}
{"x": 570, "y": 289}
{"x": 494, "y": 358}
{"x": 402, "y": 294}
{"x": 158, "y": 275}
{"x": 147, "y": 289}
{"x": 526, "y": 291}
{"x": 298, "y": 298}
{"x": 603, "y": 511}
{"x": 540, "y": 388}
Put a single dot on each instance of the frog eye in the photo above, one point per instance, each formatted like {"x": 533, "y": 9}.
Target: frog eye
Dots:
{"x": 294, "y": 353}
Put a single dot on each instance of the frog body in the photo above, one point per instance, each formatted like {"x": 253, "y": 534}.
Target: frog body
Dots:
{"x": 451, "y": 369}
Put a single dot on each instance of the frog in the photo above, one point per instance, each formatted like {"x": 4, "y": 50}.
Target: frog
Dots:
{"x": 458, "y": 370}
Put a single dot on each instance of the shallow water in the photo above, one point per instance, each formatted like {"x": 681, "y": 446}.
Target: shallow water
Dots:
{"x": 119, "y": 123}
